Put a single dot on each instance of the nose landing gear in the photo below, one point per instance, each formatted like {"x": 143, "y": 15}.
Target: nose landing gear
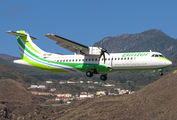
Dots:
{"x": 161, "y": 73}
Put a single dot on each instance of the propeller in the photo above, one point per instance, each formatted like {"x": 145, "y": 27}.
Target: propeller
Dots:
{"x": 103, "y": 51}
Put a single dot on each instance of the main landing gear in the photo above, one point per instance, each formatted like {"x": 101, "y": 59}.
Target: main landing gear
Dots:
{"x": 89, "y": 74}
{"x": 102, "y": 77}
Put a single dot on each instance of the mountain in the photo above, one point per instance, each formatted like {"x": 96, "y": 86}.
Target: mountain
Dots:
{"x": 156, "y": 101}
{"x": 8, "y": 57}
{"x": 2, "y": 61}
{"x": 153, "y": 39}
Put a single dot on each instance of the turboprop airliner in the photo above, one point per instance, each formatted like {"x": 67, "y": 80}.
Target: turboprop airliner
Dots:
{"x": 89, "y": 60}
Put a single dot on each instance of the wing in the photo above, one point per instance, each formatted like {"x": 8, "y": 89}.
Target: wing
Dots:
{"x": 68, "y": 44}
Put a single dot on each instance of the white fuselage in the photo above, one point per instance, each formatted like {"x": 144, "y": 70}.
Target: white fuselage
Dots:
{"x": 136, "y": 60}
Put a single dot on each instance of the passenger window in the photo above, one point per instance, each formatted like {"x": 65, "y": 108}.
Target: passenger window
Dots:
{"x": 70, "y": 60}
{"x": 73, "y": 60}
{"x": 95, "y": 59}
{"x": 57, "y": 60}
{"x": 115, "y": 58}
{"x": 85, "y": 59}
{"x": 127, "y": 58}
{"x": 112, "y": 58}
{"x": 124, "y": 58}
{"x": 63, "y": 60}
{"x": 108, "y": 58}
{"x": 89, "y": 59}
{"x": 92, "y": 59}
{"x": 118, "y": 58}
{"x": 66, "y": 60}
{"x": 121, "y": 58}
{"x": 60, "y": 60}
{"x": 131, "y": 58}
{"x": 76, "y": 60}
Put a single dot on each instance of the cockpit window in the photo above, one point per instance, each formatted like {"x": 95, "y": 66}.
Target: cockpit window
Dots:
{"x": 161, "y": 56}
{"x": 156, "y": 55}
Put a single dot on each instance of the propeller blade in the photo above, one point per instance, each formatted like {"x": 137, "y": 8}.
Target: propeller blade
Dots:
{"x": 107, "y": 53}
{"x": 104, "y": 57}
{"x": 100, "y": 55}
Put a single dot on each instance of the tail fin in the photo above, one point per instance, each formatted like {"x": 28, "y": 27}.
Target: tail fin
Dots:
{"x": 26, "y": 46}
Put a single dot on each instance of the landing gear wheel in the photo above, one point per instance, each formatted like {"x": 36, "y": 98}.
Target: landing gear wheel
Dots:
{"x": 161, "y": 73}
{"x": 89, "y": 74}
{"x": 103, "y": 77}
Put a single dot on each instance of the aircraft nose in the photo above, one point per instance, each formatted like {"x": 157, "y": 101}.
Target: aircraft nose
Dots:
{"x": 168, "y": 63}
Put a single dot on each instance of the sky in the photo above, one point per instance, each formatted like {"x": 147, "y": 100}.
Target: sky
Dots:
{"x": 82, "y": 21}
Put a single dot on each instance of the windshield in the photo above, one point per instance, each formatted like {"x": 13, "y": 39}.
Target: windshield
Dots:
{"x": 157, "y": 55}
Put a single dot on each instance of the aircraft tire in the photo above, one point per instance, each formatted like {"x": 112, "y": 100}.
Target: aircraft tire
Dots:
{"x": 103, "y": 77}
{"x": 89, "y": 74}
{"x": 161, "y": 73}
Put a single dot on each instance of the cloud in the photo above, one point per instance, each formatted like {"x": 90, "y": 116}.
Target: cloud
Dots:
{"x": 12, "y": 10}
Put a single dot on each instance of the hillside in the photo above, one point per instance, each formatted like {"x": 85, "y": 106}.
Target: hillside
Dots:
{"x": 156, "y": 101}
{"x": 16, "y": 102}
{"x": 153, "y": 39}
{"x": 8, "y": 72}
{"x": 12, "y": 91}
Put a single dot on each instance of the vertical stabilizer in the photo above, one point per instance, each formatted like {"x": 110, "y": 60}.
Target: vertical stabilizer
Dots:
{"x": 26, "y": 46}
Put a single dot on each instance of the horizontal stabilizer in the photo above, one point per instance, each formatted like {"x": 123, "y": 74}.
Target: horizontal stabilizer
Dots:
{"x": 19, "y": 34}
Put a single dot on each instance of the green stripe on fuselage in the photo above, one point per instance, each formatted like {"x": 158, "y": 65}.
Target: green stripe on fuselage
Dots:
{"x": 163, "y": 58}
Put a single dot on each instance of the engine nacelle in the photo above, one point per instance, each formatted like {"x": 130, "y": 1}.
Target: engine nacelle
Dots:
{"x": 92, "y": 51}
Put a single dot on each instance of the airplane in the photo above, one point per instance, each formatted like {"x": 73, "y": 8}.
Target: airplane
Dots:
{"x": 89, "y": 60}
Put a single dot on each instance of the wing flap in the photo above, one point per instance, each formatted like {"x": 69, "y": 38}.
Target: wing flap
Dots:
{"x": 68, "y": 44}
